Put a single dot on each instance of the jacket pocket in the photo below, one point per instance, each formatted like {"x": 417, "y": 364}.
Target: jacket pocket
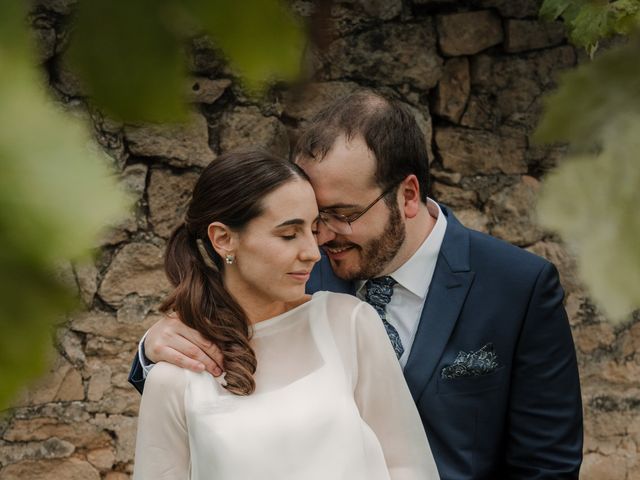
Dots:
{"x": 470, "y": 385}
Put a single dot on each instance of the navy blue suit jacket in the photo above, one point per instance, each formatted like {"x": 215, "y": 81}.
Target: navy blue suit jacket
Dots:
{"x": 524, "y": 420}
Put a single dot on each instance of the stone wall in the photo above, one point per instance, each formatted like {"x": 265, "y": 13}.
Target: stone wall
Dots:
{"x": 473, "y": 73}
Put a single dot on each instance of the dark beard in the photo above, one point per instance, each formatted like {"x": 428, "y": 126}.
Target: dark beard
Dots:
{"x": 377, "y": 253}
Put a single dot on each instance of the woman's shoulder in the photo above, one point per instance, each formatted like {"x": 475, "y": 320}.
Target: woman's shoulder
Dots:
{"x": 167, "y": 378}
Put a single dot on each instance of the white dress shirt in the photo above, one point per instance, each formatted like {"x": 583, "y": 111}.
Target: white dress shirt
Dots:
{"x": 414, "y": 278}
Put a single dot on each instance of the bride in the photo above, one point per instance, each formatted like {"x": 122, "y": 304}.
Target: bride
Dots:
{"x": 312, "y": 387}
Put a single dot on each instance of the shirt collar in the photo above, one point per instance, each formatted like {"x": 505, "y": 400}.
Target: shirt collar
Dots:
{"x": 415, "y": 272}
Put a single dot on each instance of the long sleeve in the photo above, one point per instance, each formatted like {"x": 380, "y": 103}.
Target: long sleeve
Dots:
{"x": 162, "y": 444}
{"x": 545, "y": 417}
{"x": 385, "y": 402}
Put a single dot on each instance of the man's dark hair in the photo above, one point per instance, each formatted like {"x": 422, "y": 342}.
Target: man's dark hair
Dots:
{"x": 388, "y": 128}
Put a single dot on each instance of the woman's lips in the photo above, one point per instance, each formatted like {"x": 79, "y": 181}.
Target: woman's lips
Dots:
{"x": 300, "y": 276}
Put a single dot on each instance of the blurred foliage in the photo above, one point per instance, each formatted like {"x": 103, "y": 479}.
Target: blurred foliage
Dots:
{"x": 132, "y": 55}
{"x": 592, "y": 198}
{"x": 56, "y": 191}
{"x": 56, "y": 195}
{"x": 590, "y": 21}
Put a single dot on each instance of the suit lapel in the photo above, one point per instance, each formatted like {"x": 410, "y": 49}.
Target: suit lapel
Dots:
{"x": 450, "y": 284}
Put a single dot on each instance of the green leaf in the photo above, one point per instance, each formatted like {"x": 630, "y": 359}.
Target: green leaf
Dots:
{"x": 56, "y": 196}
{"x": 593, "y": 22}
{"x": 261, "y": 38}
{"x": 130, "y": 58}
{"x": 131, "y": 55}
{"x": 552, "y": 9}
{"x": 590, "y": 21}
{"x": 592, "y": 201}
{"x": 588, "y": 97}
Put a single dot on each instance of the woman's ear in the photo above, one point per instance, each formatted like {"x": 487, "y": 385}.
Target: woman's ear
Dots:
{"x": 222, "y": 238}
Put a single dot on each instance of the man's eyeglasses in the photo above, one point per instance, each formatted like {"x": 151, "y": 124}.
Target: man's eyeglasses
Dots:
{"x": 341, "y": 224}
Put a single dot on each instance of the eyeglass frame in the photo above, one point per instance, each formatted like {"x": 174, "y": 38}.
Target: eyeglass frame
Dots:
{"x": 355, "y": 216}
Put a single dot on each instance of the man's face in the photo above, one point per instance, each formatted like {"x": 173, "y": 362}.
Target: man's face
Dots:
{"x": 344, "y": 183}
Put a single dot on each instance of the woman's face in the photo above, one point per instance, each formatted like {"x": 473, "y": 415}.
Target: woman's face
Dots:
{"x": 276, "y": 251}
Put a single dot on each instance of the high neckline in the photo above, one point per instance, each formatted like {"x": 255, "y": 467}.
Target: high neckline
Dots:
{"x": 266, "y": 325}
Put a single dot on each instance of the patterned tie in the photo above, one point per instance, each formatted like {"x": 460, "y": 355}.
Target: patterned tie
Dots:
{"x": 379, "y": 291}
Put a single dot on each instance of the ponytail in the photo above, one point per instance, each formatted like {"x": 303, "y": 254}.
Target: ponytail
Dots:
{"x": 202, "y": 303}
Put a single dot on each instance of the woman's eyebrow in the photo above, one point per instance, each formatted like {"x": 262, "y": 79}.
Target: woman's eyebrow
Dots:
{"x": 293, "y": 221}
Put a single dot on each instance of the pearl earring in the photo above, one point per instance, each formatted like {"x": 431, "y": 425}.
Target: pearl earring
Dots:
{"x": 229, "y": 259}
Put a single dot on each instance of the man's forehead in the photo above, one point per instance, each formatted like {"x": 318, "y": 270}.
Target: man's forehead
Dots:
{"x": 344, "y": 175}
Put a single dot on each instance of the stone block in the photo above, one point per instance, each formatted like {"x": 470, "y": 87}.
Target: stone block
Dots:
{"x": 512, "y": 215}
{"x": 246, "y": 126}
{"x": 108, "y": 326}
{"x": 66, "y": 80}
{"x": 603, "y": 467}
{"x": 590, "y": 337}
{"x": 99, "y": 382}
{"x": 481, "y": 113}
{"x": 67, "y": 469}
{"x": 70, "y": 345}
{"x": 117, "y": 476}
{"x": 382, "y": 9}
{"x": 447, "y": 178}
{"x": 180, "y": 145}
{"x": 63, "y": 7}
{"x": 168, "y": 197}
{"x": 80, "y": 433}
{"x": 138, "y": 268}
{"x": 392, "y": 54}
{"x": 468, "y": 33}
{"x": 472, "y": 152}
{"x": 631, "y": 341}
{"x": 205, "y": 90}
{"x": 521, "y": 35}
{"x": 303, "y": 104}
{"x": 63, "y": 383}
{"x": 512, "y": 8}
{"x": 453, "y": 196}
{"x": 102, "y": 458}
{"x": 473, "y": 219}
{"x": 45, "y": 41}
{"x": 87, "y": 277}
{"x": 453, "y": 90}
{"x": 50, "y": 448}
{"x": 124, "y": 429}
{"x": 423, "y": 119}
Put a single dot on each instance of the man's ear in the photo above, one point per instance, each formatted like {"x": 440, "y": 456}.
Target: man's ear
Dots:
{"x": 222, "y": 238}
{"x": 410, "y": 196}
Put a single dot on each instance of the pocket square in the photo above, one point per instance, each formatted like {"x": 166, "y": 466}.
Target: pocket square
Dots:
{"x": 472, "y": 364}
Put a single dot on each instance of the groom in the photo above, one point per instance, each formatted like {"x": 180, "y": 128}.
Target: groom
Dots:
{"x": 478, "y": 325}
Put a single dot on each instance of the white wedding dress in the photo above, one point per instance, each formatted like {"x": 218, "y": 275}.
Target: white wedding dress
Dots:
{"x": 330, "y": 403}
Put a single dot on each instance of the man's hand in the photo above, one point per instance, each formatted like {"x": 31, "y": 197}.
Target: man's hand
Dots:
{"x": 171, "y": 341}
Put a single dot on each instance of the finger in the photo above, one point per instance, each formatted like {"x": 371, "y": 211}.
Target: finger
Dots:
{"x": 175, "y": 357}
{"x": 215, "y": 354}
{"x": 194, "y": 352}
{"x": 192, "y": 335}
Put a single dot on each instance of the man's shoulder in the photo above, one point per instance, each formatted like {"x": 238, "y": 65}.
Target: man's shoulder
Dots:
{"x": 497, "y": 255}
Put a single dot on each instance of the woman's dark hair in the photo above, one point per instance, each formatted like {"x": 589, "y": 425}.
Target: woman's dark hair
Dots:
{"x": 230, "y": 190}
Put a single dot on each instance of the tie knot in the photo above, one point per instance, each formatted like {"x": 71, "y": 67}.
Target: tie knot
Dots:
{"x": 379, "y": 291}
